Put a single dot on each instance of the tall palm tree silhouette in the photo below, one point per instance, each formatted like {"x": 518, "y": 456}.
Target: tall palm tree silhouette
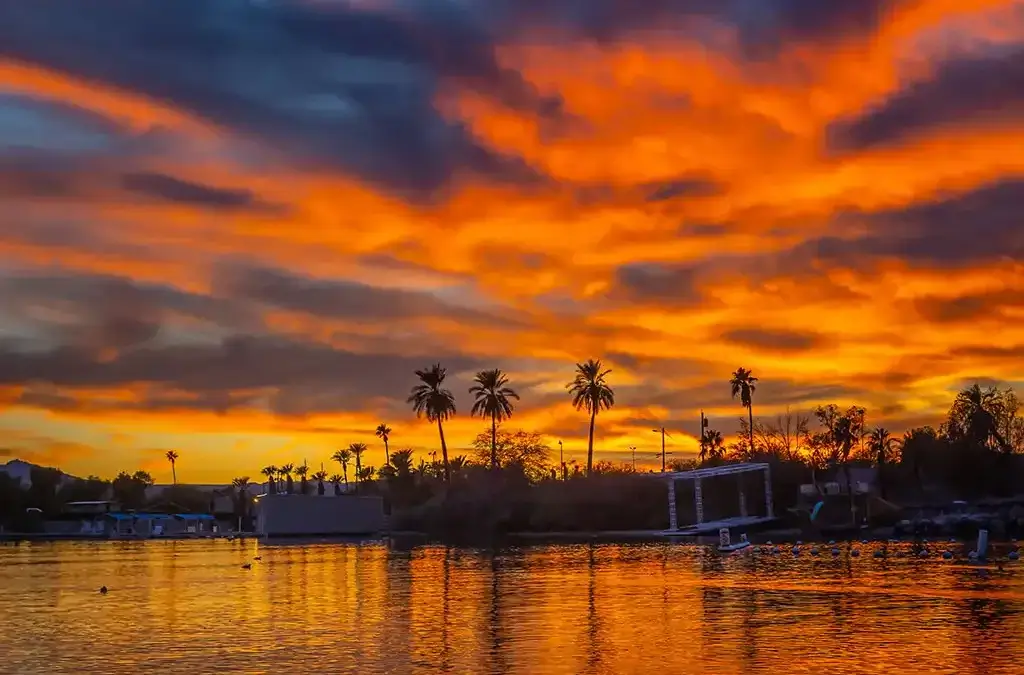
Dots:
{"x": 429, "y": 398}
{"x": 383, "y": 432}
{"x": 591, "y": 392}
{"x": 357, "y": 450}
{"x": 172, "y": 457}
{"x": 342, "y": 457}
{"x": 743, "y": 385}
{"x": 492, "y": 398}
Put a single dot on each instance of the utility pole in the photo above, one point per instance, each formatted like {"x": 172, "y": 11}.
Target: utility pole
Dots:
{"x": 662, "y": 432}
{"x": 561, "y": 460}
{"x": 703, "y": 436}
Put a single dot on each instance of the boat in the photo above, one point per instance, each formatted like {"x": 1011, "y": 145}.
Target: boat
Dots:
{"x": 725, "y": 544}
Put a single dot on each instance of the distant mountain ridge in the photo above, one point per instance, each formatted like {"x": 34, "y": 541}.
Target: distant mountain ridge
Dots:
{"x": 21, "y": 470}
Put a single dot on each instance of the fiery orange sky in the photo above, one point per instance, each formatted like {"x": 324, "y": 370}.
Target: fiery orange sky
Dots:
{"x": 234, "y": 229}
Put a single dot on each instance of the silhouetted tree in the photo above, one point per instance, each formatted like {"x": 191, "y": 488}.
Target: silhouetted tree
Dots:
{"x": 431, "y": 399}
{"x": 343, "y": 457}
{"x": 320, "y": 476}
{"x": 270, "y": 472}
{"x": 492, "y": 399}
{"x": 286, "y": 472}
{"x": 383, "y": 432}
{"x": 743, "y": 384}
{"x": 302, "y": 471}
{"x": 591, "y": 392}
{"x": 172, "y": 457}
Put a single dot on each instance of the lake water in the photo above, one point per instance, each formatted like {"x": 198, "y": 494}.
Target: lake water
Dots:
{"x": 189, "y": 607}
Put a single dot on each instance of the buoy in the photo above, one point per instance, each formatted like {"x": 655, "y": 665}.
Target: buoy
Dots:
{"x": 948, "y": 555}
{"x": 1014, "y": 555}
{"x": 247, "y": 566}
{"x": 973, "y": 555}
{"x": 855, "y": 553}
{"x": 879, "y": 554}
{"x": 831, "y": 542}
{"x": 799, "y": 543}
{"x": 769, "y": 542}
{"x": 835, "y": 551}
{"x": 814, "y": 550}
{"x": 103, "y": 590}
{"x": 796, "y": 550}
{"x": 775, "y": 550}
{"x": 864, "y": 542}
{"x": 923, "y": 554}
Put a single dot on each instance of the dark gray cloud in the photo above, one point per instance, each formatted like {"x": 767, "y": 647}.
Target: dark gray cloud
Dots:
{"x": 175, "y": 190}
{"x": 763, "y": 25}
{"x": 967, "y": 308}
{"x": 656, "y": 282}
{"x": 772, "y": 339}
{"x": 961, "y": 92}
{"x": 287, "y": 376}
{"x": 981, "y": 225}
{"x": 99, "y": 312}
{"x": 325, "y": 83}
{"x": 341, "y": 299}
{"x": 683, "y": 187}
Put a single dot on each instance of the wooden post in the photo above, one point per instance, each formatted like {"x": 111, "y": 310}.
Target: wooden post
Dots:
{"x": 698, "y": 499}
{"x": 673, "y": 521}
{"x": 768, "y": 501}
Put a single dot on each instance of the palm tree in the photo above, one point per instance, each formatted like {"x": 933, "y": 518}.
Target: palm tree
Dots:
{"x": 342, "y": 457}
{"x": 241, "y": 486}
{"x": 401, "y": 462}
{"x": 713, "y": 446}
{"x": 270, "y": 472}
{"x": 320, "y": 476}
{"x": 491, "y": 399}
{"x": 590, "y": 392}
{"x": 883, "y": 448}
{"x": 383, "y": 432}
{"x": 286, "y": 472}
{"x": 431, "y": 399}
{"x": 172, "y": 457}
{"x": 743, "y": 384}
{"x": 302, "y": 471}
{"x": 357, "y": 450}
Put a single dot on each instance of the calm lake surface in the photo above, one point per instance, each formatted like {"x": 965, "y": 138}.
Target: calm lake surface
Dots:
{"x": 189, "y": 607}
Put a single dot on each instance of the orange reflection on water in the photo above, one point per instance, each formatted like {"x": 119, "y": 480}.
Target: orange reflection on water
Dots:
{"x": 188, "y": 607}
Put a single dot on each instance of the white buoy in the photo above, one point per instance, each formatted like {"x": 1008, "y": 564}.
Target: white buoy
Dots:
{"x": 831, "y": 542}
{"x": 982, "y": 547}
{"x": 799, "y": 543}
{"x": 863, "y": 542}
{"x": 769, "y": 542}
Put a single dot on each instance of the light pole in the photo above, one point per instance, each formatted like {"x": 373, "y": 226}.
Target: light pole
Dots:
{"x": 663, "y": 434}
{"x": 561, "y": 460}
{"x": 633, "y": 448}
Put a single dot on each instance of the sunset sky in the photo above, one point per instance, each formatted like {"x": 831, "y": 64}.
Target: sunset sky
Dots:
{"x": 234, "y": 228}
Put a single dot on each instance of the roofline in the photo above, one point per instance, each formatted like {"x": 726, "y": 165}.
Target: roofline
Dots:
{"x": 712, "y": 471}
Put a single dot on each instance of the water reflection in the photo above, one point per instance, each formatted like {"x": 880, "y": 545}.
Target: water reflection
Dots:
{"x": 187, "y": 607}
